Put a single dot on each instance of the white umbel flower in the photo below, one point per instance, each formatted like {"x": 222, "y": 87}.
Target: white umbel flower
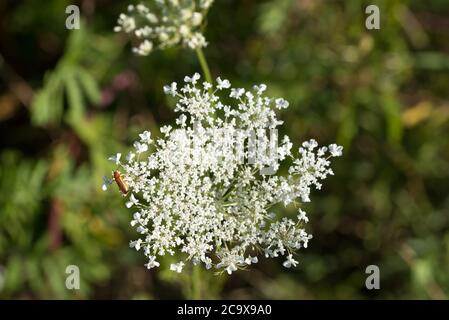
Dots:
{"x": 335, "y": 150}
{"x": 171, "y": 89}
{"x": 201, "y": 190}
{"x": 177, "y": 267}
{"x": 144, "y": 48}
{"x": 290, "y": 262}
{"x": 165, "y": 23}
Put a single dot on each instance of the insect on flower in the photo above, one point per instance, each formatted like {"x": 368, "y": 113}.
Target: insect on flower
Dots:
{"x": 120, "y": 182}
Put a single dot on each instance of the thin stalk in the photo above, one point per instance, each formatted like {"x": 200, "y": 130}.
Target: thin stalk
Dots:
{"x": 196, "y": 277}
{"x": 196, "y": 283}
{"x": 204, "y": 65}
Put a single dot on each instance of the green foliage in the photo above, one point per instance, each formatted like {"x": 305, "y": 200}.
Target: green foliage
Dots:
{"x": 74, "y": 78}
{"x": 29, "y": 190}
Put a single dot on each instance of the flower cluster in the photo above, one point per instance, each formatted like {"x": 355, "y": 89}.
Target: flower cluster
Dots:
{"x": 199, "y": 191}
{"x": 166, "y": 23}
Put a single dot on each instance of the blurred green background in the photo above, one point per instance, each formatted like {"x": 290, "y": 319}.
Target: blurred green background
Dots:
{"x": 69, "y": 99}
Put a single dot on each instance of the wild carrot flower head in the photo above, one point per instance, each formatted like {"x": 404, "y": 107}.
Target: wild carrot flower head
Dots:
{"x": 204, "y": 190}
{"x": 165, "y": 23}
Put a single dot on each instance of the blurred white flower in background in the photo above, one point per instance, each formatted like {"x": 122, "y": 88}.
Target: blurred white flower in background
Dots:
{"x": 195, "y": 192}
{"x": 165, "y": 23}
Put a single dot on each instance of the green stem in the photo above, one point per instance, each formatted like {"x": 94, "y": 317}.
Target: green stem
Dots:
{"x": 196, "y": 283}
{"x": 204, "y": 66}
